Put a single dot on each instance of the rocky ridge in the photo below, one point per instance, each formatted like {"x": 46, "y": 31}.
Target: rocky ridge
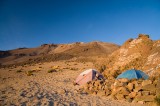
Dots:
{"x": 141, "y": 53}
{"x": 56, "y": 52}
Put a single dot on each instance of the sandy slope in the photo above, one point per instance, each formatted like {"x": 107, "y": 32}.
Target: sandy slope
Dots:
{"x": 48, "y": 89}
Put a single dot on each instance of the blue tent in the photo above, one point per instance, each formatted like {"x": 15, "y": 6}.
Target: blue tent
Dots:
{"x": 133, "y": 74}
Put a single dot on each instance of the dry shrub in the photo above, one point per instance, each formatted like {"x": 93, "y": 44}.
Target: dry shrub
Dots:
{"x": 52, "y": 70}
{"x": 18, "y": 71}
{"x": 29, "y": 73}
{"x": 101, "y": 67}
{"x": 157, "y": 100}
{"x": 74, "y": 69}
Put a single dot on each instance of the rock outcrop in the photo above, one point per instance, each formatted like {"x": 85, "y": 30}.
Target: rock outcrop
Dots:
{"x": 141, "y": 53}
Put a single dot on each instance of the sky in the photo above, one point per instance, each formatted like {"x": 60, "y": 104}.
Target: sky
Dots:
{"x": 30, "y": 23}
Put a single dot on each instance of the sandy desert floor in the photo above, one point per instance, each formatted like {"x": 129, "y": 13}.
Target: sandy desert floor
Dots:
{"x": 49, "y": 89}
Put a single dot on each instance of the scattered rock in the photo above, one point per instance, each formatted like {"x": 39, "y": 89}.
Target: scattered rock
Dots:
{"x": 124, "y": 91}
{"x": 61, "y": 91}
{"x": 101, "y": 93}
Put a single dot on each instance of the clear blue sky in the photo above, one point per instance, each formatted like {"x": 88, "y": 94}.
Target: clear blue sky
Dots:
{"x": 30, "y": 23}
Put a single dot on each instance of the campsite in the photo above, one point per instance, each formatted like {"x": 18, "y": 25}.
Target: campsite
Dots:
{"x": 52, "y": 89}
{"x": 79, "y": 52}
{"x": 80, "y": 81}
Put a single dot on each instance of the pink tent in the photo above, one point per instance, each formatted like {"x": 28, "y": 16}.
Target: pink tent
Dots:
{"x": 87, "y": 76}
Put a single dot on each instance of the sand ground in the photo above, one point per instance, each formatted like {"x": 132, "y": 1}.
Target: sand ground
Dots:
{"x": 49, "y": 89}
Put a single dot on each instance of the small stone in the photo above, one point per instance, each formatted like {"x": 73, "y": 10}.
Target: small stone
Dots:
{"x": 94, "y": 93}
{"x": 108, "y": 92}
{"x": 61, "y": 91}
{"x": 89, "y": 91}
{"x": 100, "y": 87}
{"x": 128, "y": 99}
{"x": 97, "y": 83}
{"x": 85, "y": 87}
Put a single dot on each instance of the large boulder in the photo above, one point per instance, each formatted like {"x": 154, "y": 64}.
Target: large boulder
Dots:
{"x": 145, "y": 93}
{"x": 89, "y": 91}
{"x": 120, "y": 97}
{"x": 119, "y": 83}
{"x": 130, "y": 86}
{"x": 148, "y": 98}
{"x": 146, "y": 82}
{"x": 115, "y": 91}
{"x": 149, "y": 87}
{"x": 124, "y": 91}
{"x": 123, "y": 80}
{"x": 97, "y": 83}
{"x": 132, "y": 94}
{"x": 137, "y": 88}
{"x": 135, "y": 83}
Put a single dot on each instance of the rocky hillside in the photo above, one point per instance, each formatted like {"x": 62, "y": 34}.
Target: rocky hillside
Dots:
{"x": 53, "y": 52}
{"x": 140, "y": 53}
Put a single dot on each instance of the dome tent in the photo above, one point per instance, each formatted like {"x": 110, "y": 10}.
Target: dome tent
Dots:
{"x": 87, "y": 76}
{"x": 133, "y": 74}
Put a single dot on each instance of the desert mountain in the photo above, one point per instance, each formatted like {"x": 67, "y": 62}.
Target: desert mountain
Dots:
{"x": 140, "y": 53}
{"x": 52, "y": 52}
